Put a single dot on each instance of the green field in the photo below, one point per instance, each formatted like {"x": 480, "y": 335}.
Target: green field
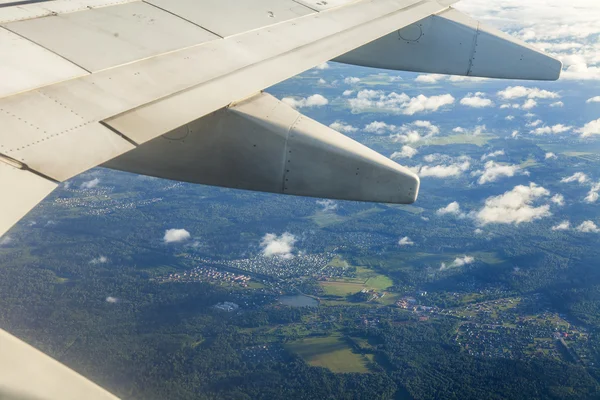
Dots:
{"x": 365, "y": 279}
{"x": 331, "y": 352}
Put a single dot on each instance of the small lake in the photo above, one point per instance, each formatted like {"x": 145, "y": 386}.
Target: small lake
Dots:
{"x": 299, "y": 301}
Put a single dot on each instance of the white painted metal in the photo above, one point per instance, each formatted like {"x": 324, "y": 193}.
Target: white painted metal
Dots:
{"x": 318, "y": 42}
{"x": 229, "y": 17}
{"x": 27, "y": 373}
{"x": 321, "y": 5}
{"x": 263, "y": 144}
{"x": 44, "y": 9}
{"x": 57, "y": 147}
{"x": 21, "y": 191}
{"x": 453, "y": 43}
{"x": 25, "y": 65}
{"x": 106, "y": 37}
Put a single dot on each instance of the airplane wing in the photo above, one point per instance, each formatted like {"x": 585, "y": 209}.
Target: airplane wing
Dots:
{"x": 173, "y": 88}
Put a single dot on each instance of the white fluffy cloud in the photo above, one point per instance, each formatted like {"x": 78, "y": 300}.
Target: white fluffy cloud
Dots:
{"x": 99, "y": 260}
{"x": 343, "y": 127}
{"x": 515, "y": 206}
{"x": 316, "y": 100}
{"x": 111, "y": 299}
{"x": 595, "y": 99}
{"x": 593, "y": 195}
{"x": 550, "y": 156}
{"x": 347, "y": 92}
{"x": 322, "y": 66}
{"x": 555, "y": 129}
{"x": 451, "y": 209}
{"x": 351, "y": 80}
{"x": 458, "y": 262}
{"x": 517, "y": 92}
{"x": 493, "y": 171}
{"x": 280, "y": 246}
{"x": 563, "y": 226}
{"x": 492, "y": 154}
{"x": 477, "y": 100}
{"x": 405, "y": 241}
{"x": 395, "y": 103}
{"x": 415, "y": 131}
{"x": 591, "y": 128}
{"x": 90, "y": 184}
{"x": 443, "y": 170}
{"x": 405, "y": 152}
{"x": 430, "y": 78}
{"x": 328, "y": 205}
{"x": 379, "y": 127}
{"x": 588, "y": 227}
{"x": 176, "y": 235}
{"x": 558, "y": 199}
{"x": 5, "y": 240}
{"x": 576, "y": 177}
{"x": 557, "y": 104}
{"x": 529, "y": 104}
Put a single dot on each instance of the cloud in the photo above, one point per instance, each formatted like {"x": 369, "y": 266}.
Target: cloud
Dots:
{"x": 517, "y": 92}
{"x": 563, "y": 226}
{"x": 406, "y": 152}
{"x": 509, "y": 117}
{"x": 90, "y": 184}
{"x": 280, "y": 246}
{"x": 343, "y": 127}
{"x": 434, "y": 78}
{"x": 557, "y": 104}
{"x": 529, "y": 104}
{"x": 535, "y": 123}
{"x": 588, "y": 227}
{"x": 555, "y": 129}
{"x": 476, "y": 100}
{"x": 415, "y": 131}
{"x": 323, "y": 66}
{"x": 316, "y": 100}
{"x": 514, "y": 134}
{"x": 576, "y": 177}
{"x": 515, "y": 206}
{"x": 405, "y": 241}
{"x": 328, "y": 205}
{"x": 589, "y": 129}
{"x": 451, "y": 209}
{"x": 430, "y": 78}
{"x": 458, "y": 262}
{"x": 176, "y": 235}
{"x": 351, "y": 80}
{"x": 595, "y": 99}
{"x": 368, "y": 100}
{"x": 492, "y": 154}
{"x": 593, "y": 195}
{"x": 112, "y": 300}
{"x": 550, "y": 156}
{"x": 99, "y": 260}
{"x": 558, "y": 199}
{"x": 347, "y": 92}
{"x": 322, "y": 81}
{"x": 5, "y": 240}
{"x": 443, "y": 170}
{"x": 478, "y": 231}
{"x": 379, "y": 127}
{"x": 494, "y": 171}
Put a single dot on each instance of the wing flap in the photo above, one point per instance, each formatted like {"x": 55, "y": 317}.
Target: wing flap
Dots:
{"x": 453, "y": 43}
{"x": 264, "y": 144}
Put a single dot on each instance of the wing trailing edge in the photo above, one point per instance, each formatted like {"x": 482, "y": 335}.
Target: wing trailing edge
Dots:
{"x": 263, "y": 144}
{"x": 452, "y": 43}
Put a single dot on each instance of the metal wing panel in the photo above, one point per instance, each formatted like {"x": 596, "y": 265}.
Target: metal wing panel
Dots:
{"x": 106, "y": 37}
{"x": 229, "y": 17}
{"x": 27, "y": 373}
{"x": 21, "y": 191}
{"x": 25, "y": 66}
{"x": 53, "y": 7}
